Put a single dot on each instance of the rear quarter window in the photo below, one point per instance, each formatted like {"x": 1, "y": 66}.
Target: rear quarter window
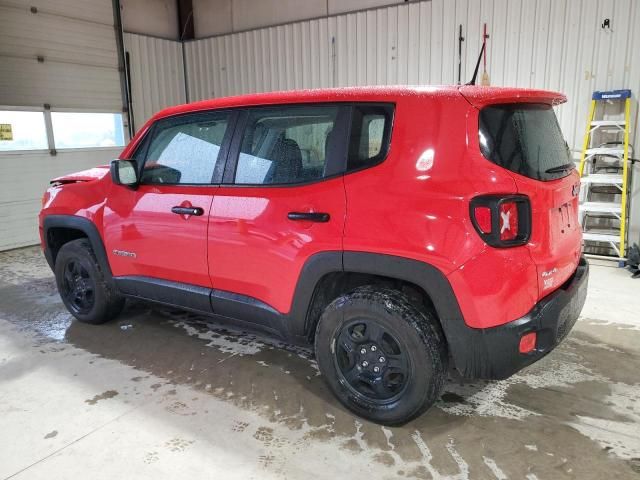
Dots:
{"x": 370, "y": 135}
{"x": 525, "y": 139}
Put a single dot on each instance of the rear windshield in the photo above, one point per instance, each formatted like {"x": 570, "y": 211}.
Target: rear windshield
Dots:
{"x": 526, "y": 139}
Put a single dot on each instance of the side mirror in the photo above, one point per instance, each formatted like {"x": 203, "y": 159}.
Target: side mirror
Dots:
{"x": 123, "y": 172}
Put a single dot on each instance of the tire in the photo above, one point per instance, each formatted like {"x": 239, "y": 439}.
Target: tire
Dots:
{"x": 403, "y": 341}
{"x": 82, "y": 286}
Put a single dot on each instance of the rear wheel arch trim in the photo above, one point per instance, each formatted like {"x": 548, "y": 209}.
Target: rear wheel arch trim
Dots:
{"x": 424, "y": 275}
{"x": 84, "y": 225}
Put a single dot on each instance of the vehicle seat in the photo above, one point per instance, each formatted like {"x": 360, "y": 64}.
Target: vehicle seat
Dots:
{"x": 287, "y": 158}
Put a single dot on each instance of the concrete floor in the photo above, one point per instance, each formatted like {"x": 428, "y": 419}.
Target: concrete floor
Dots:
{"x": 160, "y": 394}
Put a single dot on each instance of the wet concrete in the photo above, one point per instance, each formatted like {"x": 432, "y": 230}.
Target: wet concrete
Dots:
{"x": 163, "y": 393}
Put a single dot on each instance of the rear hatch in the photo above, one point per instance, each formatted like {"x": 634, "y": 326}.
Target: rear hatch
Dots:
{"x": 518, "y": 131}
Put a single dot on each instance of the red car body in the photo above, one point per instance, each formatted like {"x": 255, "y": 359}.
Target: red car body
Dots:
{"x": 413, "y": 206}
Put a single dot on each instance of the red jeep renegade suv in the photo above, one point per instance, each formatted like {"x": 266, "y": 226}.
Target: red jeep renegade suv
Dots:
{"x": 395, "y": 229}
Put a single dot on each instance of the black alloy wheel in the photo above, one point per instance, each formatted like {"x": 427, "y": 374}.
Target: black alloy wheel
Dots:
{"x": 372, "y": 361}
{"x": 382, "y": 353}
{"x": 78, "y": 287}
{"x": 87, "y": 293}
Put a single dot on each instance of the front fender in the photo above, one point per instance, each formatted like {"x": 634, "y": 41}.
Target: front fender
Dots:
{"x": 81, "y": 224}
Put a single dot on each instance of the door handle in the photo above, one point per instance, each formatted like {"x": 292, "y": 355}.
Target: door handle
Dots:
{"x": 197, "y": 211}
{"x": 319, "y": 217}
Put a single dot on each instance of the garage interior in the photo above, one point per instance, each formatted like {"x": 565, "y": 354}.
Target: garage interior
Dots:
{"x": 161, "y": 393}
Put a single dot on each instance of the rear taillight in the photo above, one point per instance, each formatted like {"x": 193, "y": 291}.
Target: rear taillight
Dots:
{"x": 508, "y": 222}
{"x": 502, "y": 220}
{"x": 482, "y": 216}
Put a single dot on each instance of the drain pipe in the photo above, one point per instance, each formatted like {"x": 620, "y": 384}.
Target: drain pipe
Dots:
{"x": 123, "y": 68}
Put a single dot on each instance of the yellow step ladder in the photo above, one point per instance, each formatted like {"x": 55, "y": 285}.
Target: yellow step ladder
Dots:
{"x": 604, "y": 173}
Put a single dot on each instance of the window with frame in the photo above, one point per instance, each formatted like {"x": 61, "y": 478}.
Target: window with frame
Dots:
{"x": 22, "y": 130}
{"x": 370, "y": 135}
{"x": 286, "y": 144}
{"x": 185, "y": 149}
{"x": 87, "y": 129}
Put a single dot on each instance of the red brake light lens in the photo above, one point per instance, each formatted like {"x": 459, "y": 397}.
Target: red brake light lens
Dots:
{"x": 508, "y": 221}
{"x": 483, "y": 218}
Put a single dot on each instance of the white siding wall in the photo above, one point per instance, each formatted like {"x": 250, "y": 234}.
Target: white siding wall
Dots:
{"x": 79, "y": 71}
{"x": 157, "y": 75}
{"x": 25, "y": 176}
{"x": 557, "y": 45}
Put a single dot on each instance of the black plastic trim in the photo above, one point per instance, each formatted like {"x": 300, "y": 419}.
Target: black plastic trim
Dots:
{"x": 248, "y": 310}
{"x": 339, "y": 146}
{"x": 427, "y": 277}
{"x": 234, "y": 148}
{"x": 316, "y": 267}
{"x": 240, "y": 309}
{"x": 197, "y": 211}
{"x": 319, "y": 217}
{"x": 189, "y": 297}
{"x": 84, "y": 225}
{"x": 493, "y": 353}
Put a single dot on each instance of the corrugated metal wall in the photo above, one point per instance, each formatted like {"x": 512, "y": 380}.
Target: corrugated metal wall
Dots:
{"x": 554, "y": 44}
{"x": 157, "y": 75}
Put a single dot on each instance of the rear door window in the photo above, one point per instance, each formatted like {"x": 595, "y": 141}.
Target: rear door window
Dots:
{"x": 525, "y": 139}
{"x": 286, "y": 145}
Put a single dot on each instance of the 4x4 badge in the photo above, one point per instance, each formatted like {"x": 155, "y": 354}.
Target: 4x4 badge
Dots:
{"x": 124, "y": 253}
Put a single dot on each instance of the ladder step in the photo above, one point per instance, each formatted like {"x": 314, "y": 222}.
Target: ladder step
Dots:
{"x": 617, "y": 151}
{"x": 608, "y": 123}
{"x": 601, "y": 207}
{"x": 602, "y": 178}
{"x": 601, "y": 237}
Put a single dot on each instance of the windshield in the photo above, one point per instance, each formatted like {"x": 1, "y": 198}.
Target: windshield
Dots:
{"x": 525, "y": 138}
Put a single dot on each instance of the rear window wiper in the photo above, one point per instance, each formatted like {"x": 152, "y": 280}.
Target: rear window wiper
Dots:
{"x": 561, "y": 168}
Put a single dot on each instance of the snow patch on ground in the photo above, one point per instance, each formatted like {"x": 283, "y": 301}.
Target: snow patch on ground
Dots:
{"x": 236, "y": 342}
{"x": 556, "y": 372}
{"x": 231, "y": 344}
{"x": 495, "y": 469}
{"x": 427, "y": 458}
{"x": 490, "y": 400}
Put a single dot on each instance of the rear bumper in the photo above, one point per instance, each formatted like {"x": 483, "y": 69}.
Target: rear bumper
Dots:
{"x": 493, "y": 353}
